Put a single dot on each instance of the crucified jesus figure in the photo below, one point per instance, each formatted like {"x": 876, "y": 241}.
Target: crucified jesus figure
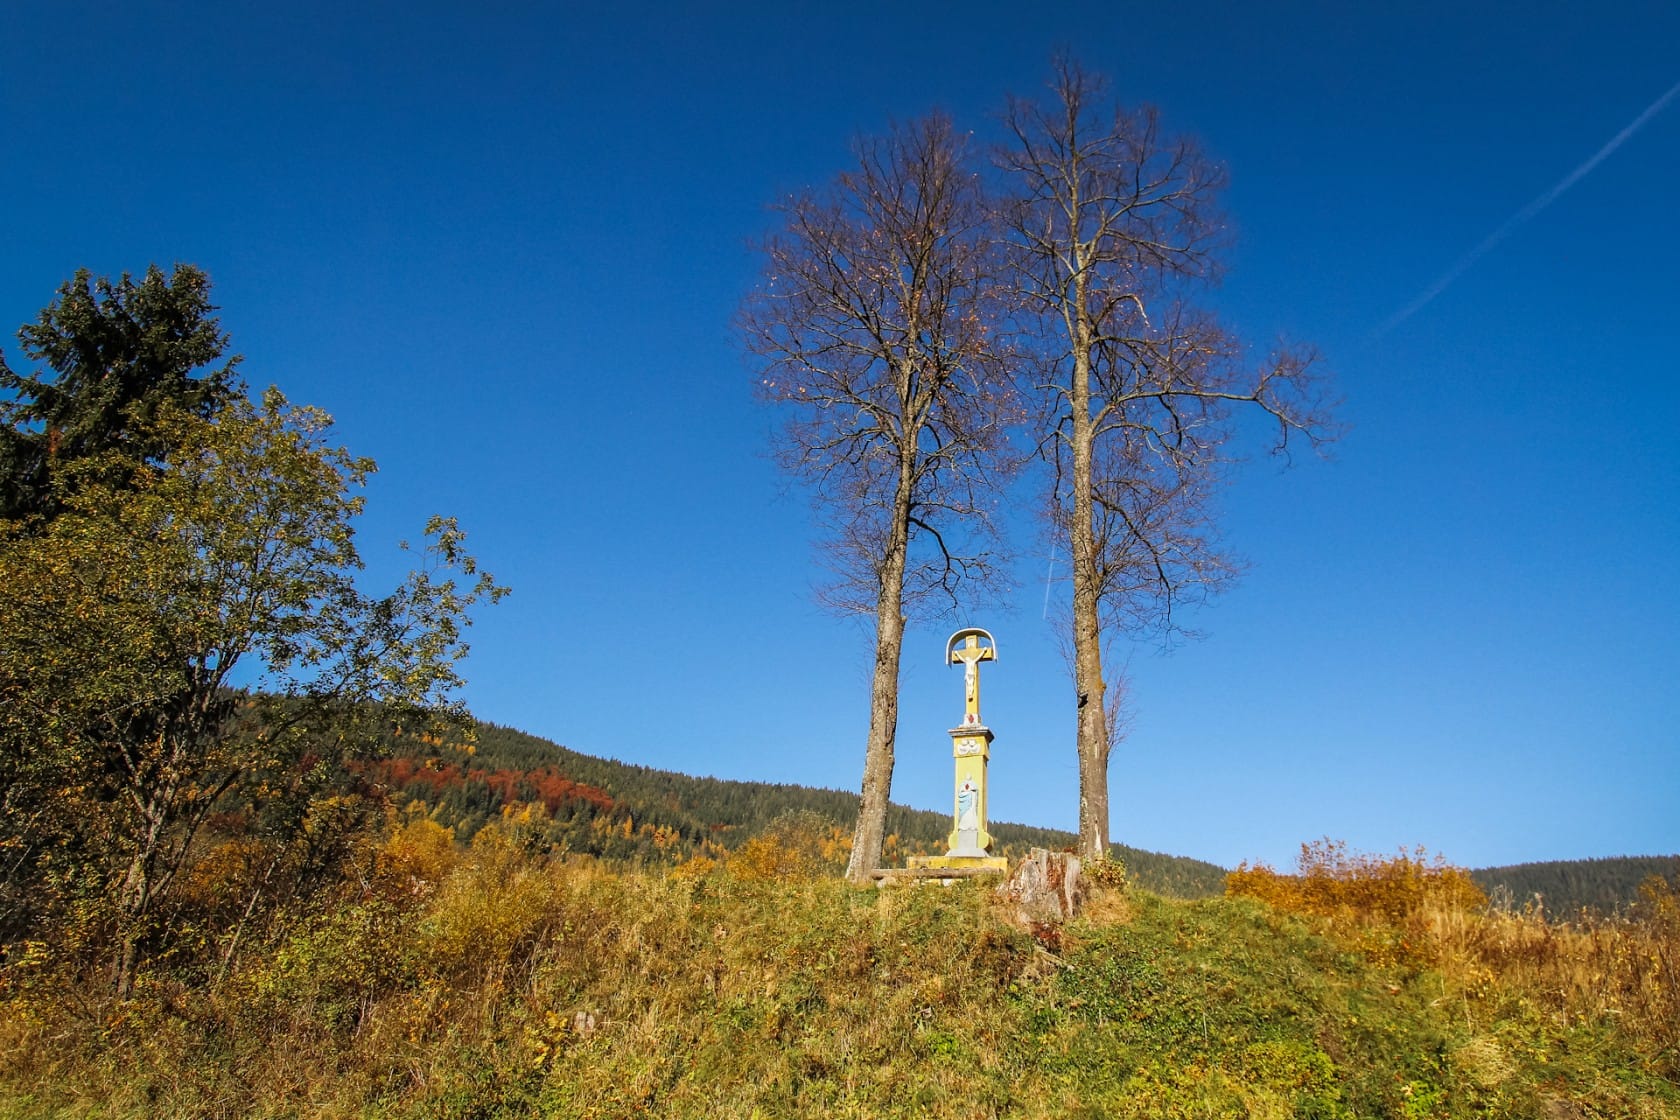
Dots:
{"x": 970, "y": 654}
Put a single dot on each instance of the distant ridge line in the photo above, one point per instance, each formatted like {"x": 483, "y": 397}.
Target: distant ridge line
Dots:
{"x": 728, "y": 811}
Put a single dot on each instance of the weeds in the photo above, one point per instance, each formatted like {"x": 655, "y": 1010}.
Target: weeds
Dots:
{"x": 1615, "y": 977}
{"x": 479, "y": 982}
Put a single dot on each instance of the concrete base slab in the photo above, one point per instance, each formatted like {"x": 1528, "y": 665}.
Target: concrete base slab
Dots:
{"x": 944, "y": 870}
{"x": 955, "y": 862}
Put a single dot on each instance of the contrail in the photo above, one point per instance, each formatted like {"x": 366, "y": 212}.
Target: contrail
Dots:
{"x": 1512, "y": 223}
{"x": 1048, "y": 573}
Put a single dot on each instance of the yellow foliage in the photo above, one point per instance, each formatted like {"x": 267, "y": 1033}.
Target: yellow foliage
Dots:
{"x": 495, "y": 907}
{"x": 793, "y": 846}
{"x": 664, "y": 837}
{"x": 695, "y": 867}
{"x": 1389, "y": 903}
{"x": 769, "y": 858}
{"x": 223, "y": 870}
{"x": 417, "y": 856}
{"x": 1330, "y": 882}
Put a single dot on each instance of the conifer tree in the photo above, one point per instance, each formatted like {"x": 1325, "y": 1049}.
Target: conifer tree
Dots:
{"x": 116, "y": 353}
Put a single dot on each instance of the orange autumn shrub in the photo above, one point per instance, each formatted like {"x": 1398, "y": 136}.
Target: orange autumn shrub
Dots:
{"x": 416, "y": 857}
{"x": 797, "y": 845}
{"x": 1393, "y": 907}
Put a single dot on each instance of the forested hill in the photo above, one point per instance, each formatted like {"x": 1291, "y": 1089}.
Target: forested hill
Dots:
{"x": 1563, "y": 888}
{"x": 576, "y": 802}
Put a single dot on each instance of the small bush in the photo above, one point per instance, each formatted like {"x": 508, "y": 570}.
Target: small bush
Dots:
{"x": 800, "y": 845}
{"x": 1391, "y": 905}
{"x": 1106, "y": 874}
{"x": 416, "y": 857}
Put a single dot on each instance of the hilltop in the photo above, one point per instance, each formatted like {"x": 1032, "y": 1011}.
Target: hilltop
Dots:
{"x": 521, "y": 930}
{"x": 436, "y": 981}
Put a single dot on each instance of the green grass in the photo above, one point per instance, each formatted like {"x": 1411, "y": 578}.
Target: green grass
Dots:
{"x": 489, "y": 984}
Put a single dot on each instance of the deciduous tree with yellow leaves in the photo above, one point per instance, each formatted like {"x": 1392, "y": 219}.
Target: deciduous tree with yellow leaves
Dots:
{"x": 187, "y": 629}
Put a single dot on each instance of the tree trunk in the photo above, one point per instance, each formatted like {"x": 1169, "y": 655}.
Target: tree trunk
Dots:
{"x": 1092, "y": 735}
{"x": 139, "y": 887}
{"x": 132, "y": 903}
{"x": 883, "y": 693}
{"x": 1044, "y": 887}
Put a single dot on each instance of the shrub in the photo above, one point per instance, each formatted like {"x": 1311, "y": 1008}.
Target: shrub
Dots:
{"x": 796, "y": 845}
{"x": 1394, "y": 907}
{"x": 1107, "y": 874}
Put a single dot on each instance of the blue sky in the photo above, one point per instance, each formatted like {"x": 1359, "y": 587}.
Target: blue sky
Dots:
{"x": 503, "y": 247}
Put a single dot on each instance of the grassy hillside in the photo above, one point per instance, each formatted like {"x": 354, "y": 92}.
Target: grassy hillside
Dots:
{"x": 444, "y": 982}
{"x": 618, "y": 810}
{"x": 523, "y": 931}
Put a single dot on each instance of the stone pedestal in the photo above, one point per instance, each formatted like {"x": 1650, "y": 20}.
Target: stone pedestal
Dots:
{"x": 969, "y": 840}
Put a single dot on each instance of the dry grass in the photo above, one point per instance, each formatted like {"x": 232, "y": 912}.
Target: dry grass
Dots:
{"x": 1591, "y": 969}
{"x": 487, "y": 982}
{"x": 1390, "y": 906}
{"x": 1406, "y": 909}
{"x": 484, "y": 982}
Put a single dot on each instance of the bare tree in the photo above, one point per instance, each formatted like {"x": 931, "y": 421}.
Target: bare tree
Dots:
{"x": 1113, "y": 227}
{"x": 873, "y": 327}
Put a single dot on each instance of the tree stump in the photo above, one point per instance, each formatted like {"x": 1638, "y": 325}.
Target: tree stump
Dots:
{"x": 1043, "y": 888}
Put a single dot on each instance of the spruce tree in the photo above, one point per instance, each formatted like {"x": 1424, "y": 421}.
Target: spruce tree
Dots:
{"x": 115, "y": 353}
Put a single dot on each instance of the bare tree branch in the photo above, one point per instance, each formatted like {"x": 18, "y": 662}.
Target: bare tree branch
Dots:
{"x": 1112, "y": 226}
{"x": 876, "y": 329}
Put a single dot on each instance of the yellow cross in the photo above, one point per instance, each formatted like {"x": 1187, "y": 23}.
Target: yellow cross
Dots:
{"x": 970, "y": 655}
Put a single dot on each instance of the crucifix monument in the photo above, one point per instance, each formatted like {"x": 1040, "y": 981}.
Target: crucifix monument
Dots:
{"x": 971, "y": 742}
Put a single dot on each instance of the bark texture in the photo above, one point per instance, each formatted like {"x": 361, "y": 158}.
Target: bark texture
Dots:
{"x": 1045, "y": 887}
{"x": 879, "y": 750}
